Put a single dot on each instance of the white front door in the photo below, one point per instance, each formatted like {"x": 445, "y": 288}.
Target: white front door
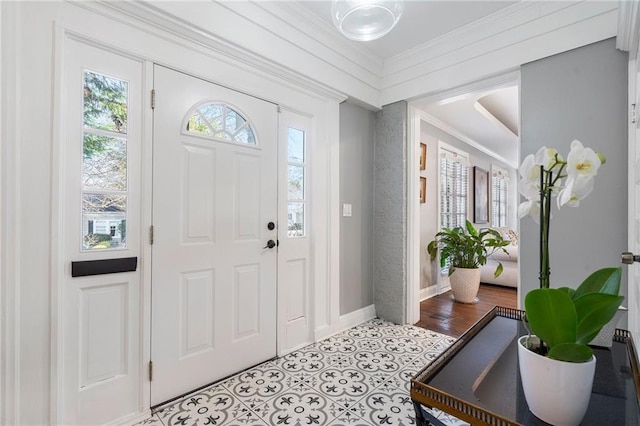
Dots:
{"x": 214, "y": 195}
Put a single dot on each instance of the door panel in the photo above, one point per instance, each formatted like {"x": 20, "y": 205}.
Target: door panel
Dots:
{"x": 100, "y": 314}
{"x": 294, "y": 252}
{"x": 213, "y": 282}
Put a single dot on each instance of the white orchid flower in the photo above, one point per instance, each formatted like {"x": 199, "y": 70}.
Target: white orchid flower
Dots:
{"x": 529, "y": 170}
{"x": 530, "y": 208}
{"x": 577, "y": 189}
{"x": 582, "y": 161}
{"x": 529, "y": 190}
{"x": 546, "y": 157}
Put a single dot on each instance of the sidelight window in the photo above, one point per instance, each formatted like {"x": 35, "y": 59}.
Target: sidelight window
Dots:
{"x": 296, "y": 194}
{"x": 104, "y": 161}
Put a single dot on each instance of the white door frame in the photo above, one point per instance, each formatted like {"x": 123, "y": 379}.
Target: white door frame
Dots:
{"x": 101, "y": 31}
{"x": 413, "y": 173}
{"x": 633, "y": 243}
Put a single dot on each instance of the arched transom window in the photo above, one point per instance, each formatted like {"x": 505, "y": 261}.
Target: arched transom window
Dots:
{"x": 220, "y": 121}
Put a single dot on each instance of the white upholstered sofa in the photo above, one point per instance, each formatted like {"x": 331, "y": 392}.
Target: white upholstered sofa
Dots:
{"x": 509, "y": 276}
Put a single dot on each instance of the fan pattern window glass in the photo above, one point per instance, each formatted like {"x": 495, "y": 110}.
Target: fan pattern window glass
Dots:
{"x": 104, "y": 162}
{"x": 220, "y": 121}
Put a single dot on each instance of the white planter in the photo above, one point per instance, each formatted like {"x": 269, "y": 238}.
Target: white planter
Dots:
{"x": 465, "y": 283}
{"x": 557, "y": 392}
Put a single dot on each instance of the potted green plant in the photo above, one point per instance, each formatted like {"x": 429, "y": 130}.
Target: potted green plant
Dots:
{"x": 466, "y": 249}
{"x": 563, "y": 320}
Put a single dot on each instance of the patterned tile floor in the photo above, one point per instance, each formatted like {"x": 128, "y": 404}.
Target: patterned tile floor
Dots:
{"x": 358, "y": 377}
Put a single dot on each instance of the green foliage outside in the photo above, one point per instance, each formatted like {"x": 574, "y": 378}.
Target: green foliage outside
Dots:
{"x": 97, "y": 241}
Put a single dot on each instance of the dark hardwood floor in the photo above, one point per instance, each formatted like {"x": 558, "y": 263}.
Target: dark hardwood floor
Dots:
{"x": 442, "y": 314}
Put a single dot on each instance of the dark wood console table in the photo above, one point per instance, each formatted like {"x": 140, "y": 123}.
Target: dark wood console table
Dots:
{"x": 478, "y": 381}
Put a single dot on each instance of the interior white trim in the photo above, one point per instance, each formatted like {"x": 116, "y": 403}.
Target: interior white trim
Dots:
{"x": 180, "y": 20}
{"x": 10, "y": 223}
{"x": 413, "y": 216}
{"x": 334, "y": 206}
{"x": 427, "y": 293}
{"x": 146, "y": 220}
{"x": 346, "y": 322}
{"x": 57, "y": 230}
{"x": 505, "y": 41}
{"x": 459, "y": 135}
{"x": 633, "y": 224}
{"x": 474, "y": 89}
{"x": 80, "y": 25}
{"x": 628, "y": 23}
{"x": 307, "y": 51}
{"x": 131, "y": 419}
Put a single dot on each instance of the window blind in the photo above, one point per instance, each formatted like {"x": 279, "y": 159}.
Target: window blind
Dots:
{"x": 499, "y": 188}
{"x": 454, "y": 182}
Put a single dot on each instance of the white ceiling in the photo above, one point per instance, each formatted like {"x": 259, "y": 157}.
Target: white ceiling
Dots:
{"x": 421, "y": 21}
{"x": 489, "y": 117}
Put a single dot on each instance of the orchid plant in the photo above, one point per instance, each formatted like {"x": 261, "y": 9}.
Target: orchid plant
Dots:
{"x": 541, "y": 178}
{"x": 565, "y": 320}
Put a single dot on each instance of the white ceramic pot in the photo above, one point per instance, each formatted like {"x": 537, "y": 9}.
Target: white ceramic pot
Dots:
{"x": 557, "y": 392}
{"x": 465, "y": 283}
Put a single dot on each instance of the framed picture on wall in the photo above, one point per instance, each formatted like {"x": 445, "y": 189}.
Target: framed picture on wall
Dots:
{"x": 423, "y": 189}
{"x": 480, "y": 195}
{"x": 423, "y": 156}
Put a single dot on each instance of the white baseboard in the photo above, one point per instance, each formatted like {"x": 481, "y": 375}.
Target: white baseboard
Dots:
{"x": 130, "y": 419}
{"x": 346, "y": 321}
{"x": 427, "y": 292}
{"x": 445, "y": 289}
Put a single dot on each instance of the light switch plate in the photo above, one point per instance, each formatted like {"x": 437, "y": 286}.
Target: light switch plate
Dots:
{"x": 346, "y": 210}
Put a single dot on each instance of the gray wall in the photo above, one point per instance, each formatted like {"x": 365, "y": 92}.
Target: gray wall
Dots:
{"x": 430, "y": 135}
{"x": 356, "y": 188}
{"x": 390, "y": 212}
{"x": 580, "y": 94}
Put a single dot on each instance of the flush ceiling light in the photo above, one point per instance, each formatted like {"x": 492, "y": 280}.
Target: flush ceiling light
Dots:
{"x": 365, "y": 20}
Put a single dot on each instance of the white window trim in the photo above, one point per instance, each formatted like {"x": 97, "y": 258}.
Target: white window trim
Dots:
{"x": 446, "y": 149}
{"x": 496, "y": 170}
{"x": 442, "y": 283}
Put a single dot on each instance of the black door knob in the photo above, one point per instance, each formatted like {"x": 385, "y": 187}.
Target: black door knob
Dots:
{"x": 271, "y": 226}
{"x": 270, "y": 244}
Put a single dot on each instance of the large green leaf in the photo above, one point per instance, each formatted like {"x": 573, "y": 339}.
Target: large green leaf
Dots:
{"x": 499, "y": 270}
{"x": 551, "y": 315}
{"x": 471, "y": 229}
{"x": 594, "y": 310}
{"x": 571, "y": 352}
{"x": 605, "y": 280}
{"x": 568, "y": 290}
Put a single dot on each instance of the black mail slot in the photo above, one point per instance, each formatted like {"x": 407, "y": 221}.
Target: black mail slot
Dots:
{"x": 106, "y": 266}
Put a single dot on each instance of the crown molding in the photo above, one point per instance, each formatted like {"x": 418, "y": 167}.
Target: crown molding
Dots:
{"x": 494, "y": 23}
{"x": 498, "y": 43}
{"x": 628, "y": 23}
{"x": 159, "y": 19}
{"x": 464, "y": 138}
{"x": 475, "y": 89}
